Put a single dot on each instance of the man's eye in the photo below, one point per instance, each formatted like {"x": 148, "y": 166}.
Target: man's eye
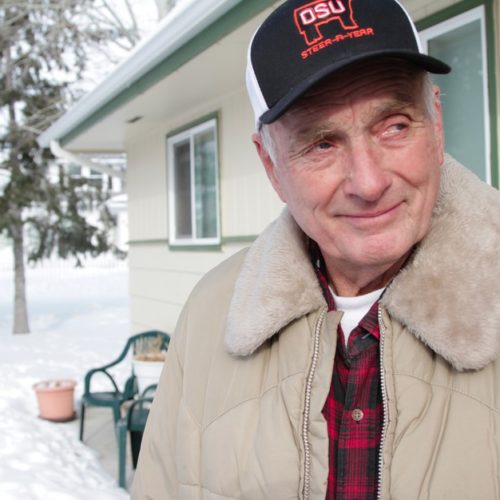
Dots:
{"x": 400, "y": 126}
{"x": 324, "y": 145}
{"x": 395, "y": 128}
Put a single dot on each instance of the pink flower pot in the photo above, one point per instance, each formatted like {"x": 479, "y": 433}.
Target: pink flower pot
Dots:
{"x": 55, "y": 400}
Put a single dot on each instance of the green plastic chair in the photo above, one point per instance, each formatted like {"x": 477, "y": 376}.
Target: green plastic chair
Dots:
{"x": 133, "y": 422}
{"x": 115, "y": 397}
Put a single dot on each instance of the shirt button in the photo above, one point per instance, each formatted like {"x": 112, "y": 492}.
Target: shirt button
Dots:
{"x": 357, "y": 415}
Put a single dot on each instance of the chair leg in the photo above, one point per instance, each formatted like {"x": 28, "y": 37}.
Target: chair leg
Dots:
{"x": 135, "y": 445}
{"x": 82, "y": 417}
{"x": 116, "y": 414}
{"x": 121, "y": 431}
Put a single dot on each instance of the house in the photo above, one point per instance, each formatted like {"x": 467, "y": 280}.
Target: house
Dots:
{"x": 112, "y": 186}
{"x": 178, "y": 108}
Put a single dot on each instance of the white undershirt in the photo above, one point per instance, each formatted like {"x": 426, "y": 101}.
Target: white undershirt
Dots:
{"x": 354, "y": 309}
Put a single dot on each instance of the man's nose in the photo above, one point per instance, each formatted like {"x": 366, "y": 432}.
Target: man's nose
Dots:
{"x": 366, "y": 175}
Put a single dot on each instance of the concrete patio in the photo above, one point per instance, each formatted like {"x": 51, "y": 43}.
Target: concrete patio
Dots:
{"x": 100, "y": 435}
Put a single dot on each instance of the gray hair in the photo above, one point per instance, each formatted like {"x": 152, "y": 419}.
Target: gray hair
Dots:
{"x": 268, "y": 141}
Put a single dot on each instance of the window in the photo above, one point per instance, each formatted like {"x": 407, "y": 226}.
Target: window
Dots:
{"x": 74, "y": 170}
{"x": 95, "y": 179}
{"x": 194, "y": 186}
{"x": 461, "y": 42}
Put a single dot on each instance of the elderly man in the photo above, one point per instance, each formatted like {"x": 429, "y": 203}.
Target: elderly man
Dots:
{"x": 351, "y": 352}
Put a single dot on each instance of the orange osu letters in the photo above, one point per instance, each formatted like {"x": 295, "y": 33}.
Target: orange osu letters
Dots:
{"x": 311, "y": 16}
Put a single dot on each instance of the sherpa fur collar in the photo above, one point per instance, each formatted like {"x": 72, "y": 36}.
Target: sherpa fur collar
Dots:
{"x": 448, "y": 295}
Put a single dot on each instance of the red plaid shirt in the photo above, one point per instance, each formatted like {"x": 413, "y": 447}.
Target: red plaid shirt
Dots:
{"x": 353, "y": 409}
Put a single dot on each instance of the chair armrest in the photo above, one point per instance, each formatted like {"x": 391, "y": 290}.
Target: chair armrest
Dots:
{"x": 92, "y": 372}
{"x": 120, "y": 358}
{"x": 149, "y": 391}
{"x": 137, "y": 405}
{"x": 130, "y": 389}
{"x": 146, "y": 397}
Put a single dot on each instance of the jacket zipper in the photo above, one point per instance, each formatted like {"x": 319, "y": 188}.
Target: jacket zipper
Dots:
{"x": 385, "y": 405}
{"x": 307, "y": 406}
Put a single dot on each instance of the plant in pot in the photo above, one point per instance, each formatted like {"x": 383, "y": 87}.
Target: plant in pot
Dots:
{"x": 148, "y": 361}
{"x": 55, "y": 400}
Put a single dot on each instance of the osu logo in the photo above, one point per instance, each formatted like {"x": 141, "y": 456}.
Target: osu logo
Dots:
{"x": 311, "y": 16}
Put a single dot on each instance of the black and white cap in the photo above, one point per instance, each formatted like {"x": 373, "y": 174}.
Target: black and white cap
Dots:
{"x": 303, "y": 41}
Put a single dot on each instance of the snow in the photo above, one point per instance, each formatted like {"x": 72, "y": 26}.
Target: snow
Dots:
{"x": 79, "y": 320}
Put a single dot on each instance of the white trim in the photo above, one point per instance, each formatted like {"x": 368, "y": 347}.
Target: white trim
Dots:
{"x": 59, "y": 152}
{"x": 186, "y": 20}
{"x": 472, "y": 15}
{"x": 451, "y": 24}
{"x": 210, "y": 124}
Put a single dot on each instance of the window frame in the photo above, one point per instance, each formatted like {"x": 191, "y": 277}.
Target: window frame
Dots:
{"x": 189, "y": 132}
{"x": 470, "y": 15}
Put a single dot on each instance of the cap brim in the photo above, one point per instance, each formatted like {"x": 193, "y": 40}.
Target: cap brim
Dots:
{"x": 427, "y": 63}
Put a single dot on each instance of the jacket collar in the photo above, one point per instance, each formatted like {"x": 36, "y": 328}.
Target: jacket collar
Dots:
{"x": 447, "y": 295}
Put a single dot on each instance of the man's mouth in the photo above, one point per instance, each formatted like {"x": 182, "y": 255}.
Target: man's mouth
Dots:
{"x": 373, "y": 216}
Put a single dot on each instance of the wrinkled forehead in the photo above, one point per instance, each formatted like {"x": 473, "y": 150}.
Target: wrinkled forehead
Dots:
{"x": 400, "y": 80}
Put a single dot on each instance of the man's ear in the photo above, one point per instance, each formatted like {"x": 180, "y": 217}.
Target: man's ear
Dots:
{"x": 269, "y": 165}
{"x": 438, "y": 123}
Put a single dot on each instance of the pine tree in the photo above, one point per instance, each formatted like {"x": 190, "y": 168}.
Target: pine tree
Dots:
{"x": 43, "y": 49}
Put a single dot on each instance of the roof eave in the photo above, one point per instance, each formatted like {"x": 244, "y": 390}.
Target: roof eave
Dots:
{"x": 183, "y": 23}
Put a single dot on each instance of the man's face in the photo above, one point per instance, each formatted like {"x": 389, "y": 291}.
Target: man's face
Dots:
{"x": 357, "y": 162}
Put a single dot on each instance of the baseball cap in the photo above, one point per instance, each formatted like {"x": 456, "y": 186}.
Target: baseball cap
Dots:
{"x": 303, "y": 41}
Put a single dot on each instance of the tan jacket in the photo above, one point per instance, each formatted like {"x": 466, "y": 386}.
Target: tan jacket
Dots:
{"x": 238, "y": 410}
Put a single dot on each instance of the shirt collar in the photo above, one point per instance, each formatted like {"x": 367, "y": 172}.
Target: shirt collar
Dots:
{"x": 369, "y": 323}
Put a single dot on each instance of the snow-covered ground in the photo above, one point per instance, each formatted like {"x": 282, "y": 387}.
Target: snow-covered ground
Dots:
{"x": 79, "y": 320}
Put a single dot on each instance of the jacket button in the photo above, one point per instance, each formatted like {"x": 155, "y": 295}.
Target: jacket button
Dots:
{"x": 357, "y": 415}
